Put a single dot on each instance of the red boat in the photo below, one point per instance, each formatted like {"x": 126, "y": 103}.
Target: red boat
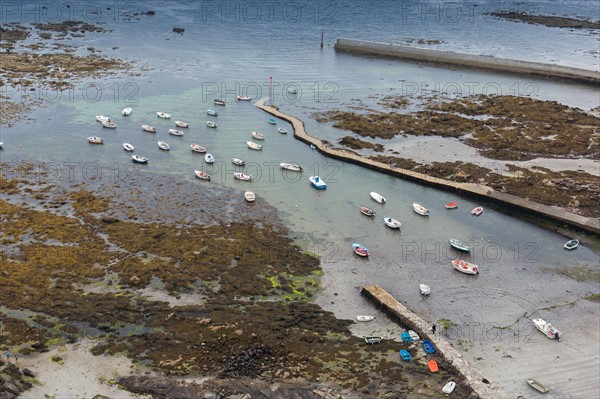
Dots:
{"x": 360, "y": 250}
{"x": 452, "y": 205}
{"x": 198, "y": 148}
{"x": 477, "y": 211}
{"x": 365, "y": 210}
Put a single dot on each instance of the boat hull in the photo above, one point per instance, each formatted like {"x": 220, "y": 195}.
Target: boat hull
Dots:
{"x": 392, "y": 223}
{"x": 465, "y": 267}
{"x": 317, "y": 183}
{"x": 377, "y": 197}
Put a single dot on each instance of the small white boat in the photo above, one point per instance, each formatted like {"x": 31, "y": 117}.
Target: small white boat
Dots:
{"x": 1, "y": 144}
{"x": 128, "y": 147}
{"x": 197, "y": 148}
{"x": 250, "y": 196}
{"x": 102, "y": 118}
{"x": 365, "y": 318}
{"x": 282, "y": 130}
{"x": 211, "y": 124}
{"x": 420, "y": 209}
{"x": 538, "y": 386}
{"x": 148, "y": 128}
{"x": 182, "y": 124}
{"x": 571, "y": 244}
{"x": 212, "y": 112}
{"x": 449, "y": 387}
{"x": 109, "y": 125}
{"x": 392, "y": 223}
{"x": 208, "y": 158}
{"x": 242, "y": 176}
{"x": 547, "y": 329}
{"x": 238, "y": 161}
{"x": 377, "y": 197}
{"x": 218, "y": 101}
{"x": 126, "y": 111}
{"x": 465, "y": 267}
{"x": 477, "y": 211}
{"x": 163, "y": 115}
{"x": 457, "y": 244}
{"x": 139, "y": 159}
{"x": 253, "y": 146}
{"x": 202, "y": 175}
{"x": 414, "y": 335}
{"x": 291, "y": 166}
{"x": 257, "y": 135}
{"x": 243, "y": 98}
{"x": 425, "y": 290}
{"x": 164, "y": 146}
{"x": 292, "y": 90}
{"x": 317, "y": 182}
{"x": 176, "y": 132}
{"x": 95, "y": 140}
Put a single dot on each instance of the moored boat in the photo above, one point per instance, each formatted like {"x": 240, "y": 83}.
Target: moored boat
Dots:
{"x": 477, "y": 211}
{"x": 182, "y": 124}
{"x": 148, "y": 128}
{"x": 197, "y": 148}
{"x": 212, "y": 112}
{"x": 257, "y": 135}
{"x": 1, "y": 144}
{"x": 365, "y": 210}
{"x": 128, "y": 147}
{"x": 164, "y": 146}
{"x": 364, "y": 318}
{"x": 538, "y": 386}
{"x": 420, "y": 209}
{"x": 465, "y": 267}
{"x": 175, "y": 132}
{"x": 163, "y": 115}
{"x": 272, "y": 121}
{"x": 405, "y": 355}
{"x": 242, "y": 176}
{"x": 109, "y": 125}
{"x": 250, "y": 196}
{"x": 218, "y": 101}
{"x": 237, "y": 161}
{"x": 292, "y": 90}
{"x": 425, "y": 289}
{"x": 433, "y": 366}
{"x": 360, "y": 250}
{"x": 139, "y": 159}
{"x": 428, "y": 347}
{"x": 457, "y": 244}
{"x": 202, "y": 175}
{"x": 253, "y": 146}
{"x": 373, "y": 340}
{"x": 95, "y": 140}
{"x": 208, "y": 158}
{"x": 571, "y": 244}
{"x": 282, "y": 130}
{"x": 211, "y": 124}
{"x": 391, "y": 223}
{"x": 451, "y": 205}
{"x": 291, "y": 166}
{"x": 102, "y": 118}
{"x": 243, "y": 98}
{"x": 449, "y": 387}
{"x": 413, "y": 335}
{"x": 377, "y": 197}
{"x": 317, "y": 182}
{"x": 126, "y": 111}
{"x": 547, "y": 329}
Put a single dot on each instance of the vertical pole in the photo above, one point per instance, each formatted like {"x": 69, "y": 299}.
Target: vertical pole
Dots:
{"x": 271, "y": 89}
{"x": 321, "y": 39}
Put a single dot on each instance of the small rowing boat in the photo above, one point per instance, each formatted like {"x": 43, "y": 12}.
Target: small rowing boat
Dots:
{"x": 272, "y": 121}
{"x": 420, "y": 209}
{"x": 102, "y": 118}
{"x": 377, "y": 197}
{"x": 139, "y": 159}
{"x": 282, "y": 130}
{"x": 212, "y": 112}
{"x": 465, "y": 267}
{"x": 365, "y": 210}
{"x": 451, "y": 205}
{"x": 198, "y": 148}
{"x": 360, "y": 250}
{"x": 477, "y": 211}
{"x": 126, "y": 111}
{"x": 257, "y": 135}
{"x": 128, "y": 147}
{"x": 242, "y": 176}
{"x": 218, "y": 101}
{"x": 109, "y": 125}
{"x": 202, "y": 175}
{"x": 571, "y": 244}
{"x": 449, "y": 387}
{"x": 250, "y": 196}
{"x": 425, "y": 290}
{"x": 373, "y": 340}
{"x": 317, "y": 182}
{"x": 208, "y": 158}
{"x": 243, "y": 98}
{"x": 457, "y": 244}
{"x": 253, "y": 146}
{"x": 95, "y": 140}
{"x": 148, "y": 128}
{"x": 163, "y": 115}
{"x": 182, "y": 124}
{"x": 176, "y": 132}
{"x": 392, "y": 223}
{"x": 365, "y": 318}
{"x": 291, "y": 166}
{"x": 211, "y": 124}
{"x": 538, "y": 386}
{"x": 237, "y": 161}
{"x": 164, "y": 146}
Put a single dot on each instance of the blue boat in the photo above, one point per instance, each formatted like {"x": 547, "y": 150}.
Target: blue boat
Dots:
{"x": 405, "y": 355}
{"x": 428, "y": 346}
{"x": 272, "y": 121}
{"x": 317, "y": 182}
{"x": 406, "y": 337}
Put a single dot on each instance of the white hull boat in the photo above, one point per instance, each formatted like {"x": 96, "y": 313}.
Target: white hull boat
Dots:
{"x": 95, "y": 140}
{"x": 212, "y": 112}
{"x": 425, "y": 290}
{"x": 317, "y": 182}
{"x": 477, "y": 211}
{"x": 571, "y": 244}
{"x": 109, "y": 125}
{"x": 243, "y": 98}
{"x": 257, "y": 135}
{"x": 465, "y": 267}
{"x": 250, "y": 196}
{"x": 128, "y": 147}
{"x": 291, "y": 166}
{"x": 282, "y": 130}
{"x": 126, "y": 111}
{"x": 218, "y": 101}
{"x": 378, "y": 197}
{"x": 175, "y": 132}
{"x": 202, "y": 175}
{"x": 163, "y": 115}
{"x": 242, "y": 176}
{"x": 449, "y": 387}
{"x": 164, "y": 146}
{"x": 538, "y": 386}
{"x": 237, "y": 161}
{"x": 197, "y": 148}
{"x": 102, "y": 118}
{"x": 457, "y": 244}
{"x": 253, "y": 146}
{"x": 292, "y": 90}
{"x": 208, "y": 158}
{"x": 365, "y": 318}
{"x": 547, "y": 329}
{"x": 211, "y": 124}
{"x": 148, "y": 128}
{"x": 182, "y": 124}
{"x": 414, "y": 335}
{"x": 420, "y": 209}
{"x": 392, "y": 223}
{"x": 139, "y": 159}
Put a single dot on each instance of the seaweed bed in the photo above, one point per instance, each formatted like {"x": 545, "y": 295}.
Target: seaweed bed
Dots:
{"x": 82, "y": 265}
{"x": 501, "y": 127}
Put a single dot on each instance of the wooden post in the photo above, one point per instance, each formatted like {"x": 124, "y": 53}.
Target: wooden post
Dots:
{"x": 321, "y": 39}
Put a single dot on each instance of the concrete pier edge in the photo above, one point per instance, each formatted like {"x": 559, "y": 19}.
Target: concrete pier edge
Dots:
{"x": 412, "y": 321}
{"x": 481, "y": 193}
{"x": 467, "y": 60}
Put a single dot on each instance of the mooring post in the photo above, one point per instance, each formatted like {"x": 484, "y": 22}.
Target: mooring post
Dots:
{"x": 321, "y": 39}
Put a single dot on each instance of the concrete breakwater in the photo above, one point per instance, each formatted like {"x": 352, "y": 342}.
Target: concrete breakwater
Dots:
{"x": 480, "y": 192}
{"x": 410, "y": 320}
{"x": 467, "y": 60}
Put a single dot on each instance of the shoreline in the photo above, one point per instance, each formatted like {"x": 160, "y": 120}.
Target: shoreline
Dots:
{"x": 482, "y": 192}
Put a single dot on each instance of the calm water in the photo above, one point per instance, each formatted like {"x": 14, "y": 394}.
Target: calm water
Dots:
{"x": 233, "y": 48}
